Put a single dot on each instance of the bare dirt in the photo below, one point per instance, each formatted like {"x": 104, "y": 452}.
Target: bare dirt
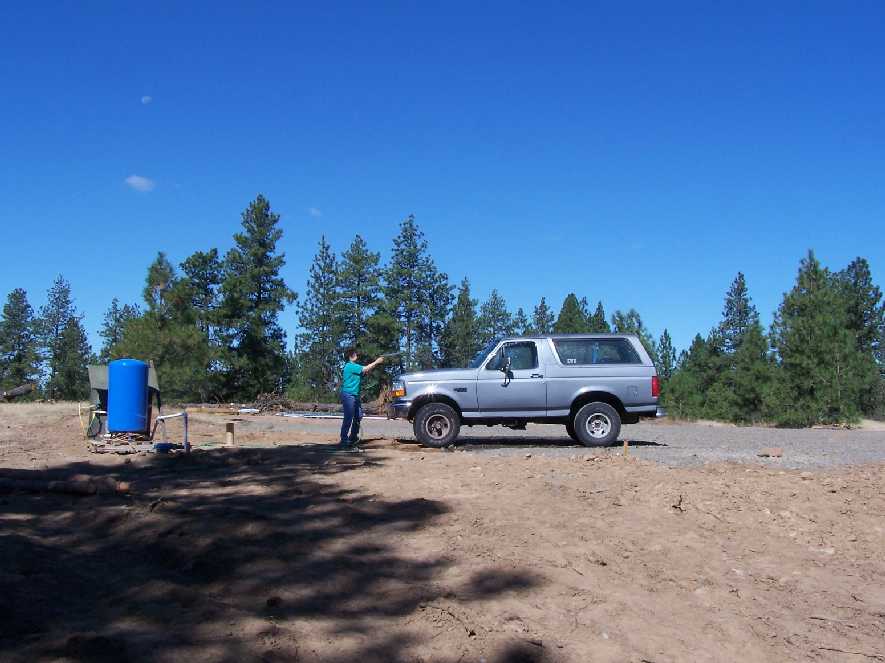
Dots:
{"x": 284, "y": 550}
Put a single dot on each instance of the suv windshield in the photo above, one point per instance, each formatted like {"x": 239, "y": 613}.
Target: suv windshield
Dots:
{"x": 480, "y": 356}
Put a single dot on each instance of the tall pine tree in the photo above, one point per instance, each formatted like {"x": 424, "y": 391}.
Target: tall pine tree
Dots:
{"x": 738, "y": 315}
{"x": 823, "y": 374}
{"x": 253, "y": 296}
{"x": 359, "y": 279}
{"x": 72, "y": 377}
{"x": 542, "y": 318}
{"x": 666, "y": 356}
{"x": 521, "y": 324}
{"x": 597, "y": 323}
{"x": 19, "y": 351}
{"x": 115, "y": 319}
{"x": 54, "y": 317}
{"x": 572, "y": 319}
{"x": 323, "y": 328}
{"x": 460, "y": 339}
{"x": 494, "y": 319}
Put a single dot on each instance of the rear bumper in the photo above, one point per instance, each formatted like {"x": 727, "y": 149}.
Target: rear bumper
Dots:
{"x": 399, "y": 409}
{"x": 661, "y": 412}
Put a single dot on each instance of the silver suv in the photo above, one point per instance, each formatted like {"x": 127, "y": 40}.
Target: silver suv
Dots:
{"x": 591, "y": 383}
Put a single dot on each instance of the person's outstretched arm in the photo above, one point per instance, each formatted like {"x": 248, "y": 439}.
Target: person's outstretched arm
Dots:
{"x": 369, "y": 367}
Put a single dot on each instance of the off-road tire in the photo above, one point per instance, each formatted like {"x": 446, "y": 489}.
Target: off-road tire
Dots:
{"x": 570, "y": 429}
{"x": 436, "y": 425}
{"x": 597, "y": 424}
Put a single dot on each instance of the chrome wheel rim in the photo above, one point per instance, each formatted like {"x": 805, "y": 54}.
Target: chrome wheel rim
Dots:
{"x": 598, "y": 426}
{"x": 437, "y": 426}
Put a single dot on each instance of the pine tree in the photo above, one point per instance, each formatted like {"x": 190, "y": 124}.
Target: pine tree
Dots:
{"x": 822, "y": 374}
{"x": 542, "y": 318}
{"x": 54, "y": 316}
{"x": 437, "y": 300}
{"x": 72, "y": 377}
{"x": 571, "y": 318}
{"x": 460, "y": 339}
{"x": 159, "y": 284}
{"x": 598, "y": 324}
{"x": 521, "y": 323}
{"x": 667, "y": 357}
{"x": 253, "y": 295}
{"x": 494, "y": 319}
{"x": 19, "y": 351}
{"x": 414, "y": 294}
{"x": 359, "y": 278}
{"x": 686, "y": 391}
{"x": 115, "y": 319}
{"x": 738, "y": 315}
{"x": 201, "y": 285}
{"x": 866, "y": 312}
{"x": 318, "y": 316}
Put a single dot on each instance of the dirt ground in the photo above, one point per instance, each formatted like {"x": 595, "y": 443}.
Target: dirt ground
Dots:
{"x": 283, "y": 550}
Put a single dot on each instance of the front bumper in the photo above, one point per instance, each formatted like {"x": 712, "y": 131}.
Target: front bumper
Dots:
{"x": 399, "y": 409}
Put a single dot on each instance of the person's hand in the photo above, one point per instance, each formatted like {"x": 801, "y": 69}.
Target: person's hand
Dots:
{"x": 380, "y": 360}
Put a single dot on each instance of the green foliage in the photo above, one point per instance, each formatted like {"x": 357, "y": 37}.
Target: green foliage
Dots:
{"x": 572, "y": 319}
{"x": 738, "y": 315}
{"x": 19, "y": 351}
{"x": 823, "y": 374}
{"x": 416, "y": 295}
{"x": 71, "y": 380}
{"x": 666, "y": 357}
{"x": 320, "y": 317}
{"x": 494, "y": 319}
{"x": 203, "y": 275}
{"x": 253, "y": 295}
{"x": 115, "y": 319}
{"x": 521, "y": 324}
{"x": 54, "y": 317}
{"x": 685, "y": 394}
{"x": 460, "y": 339}
{"x": 597, "y": 323}
{"x": 542, "y": 318}
{"x": 359, "y": 281}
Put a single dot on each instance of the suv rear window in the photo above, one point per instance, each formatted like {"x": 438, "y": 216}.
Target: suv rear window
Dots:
{"x": 586, "y": 351}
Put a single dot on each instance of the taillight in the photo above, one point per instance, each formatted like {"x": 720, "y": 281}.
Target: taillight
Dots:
{"x": 655, "y": 386}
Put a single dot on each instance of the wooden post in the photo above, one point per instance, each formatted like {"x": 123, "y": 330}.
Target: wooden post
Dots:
{"x": 229, "y": 434}
{"x": 626, "y": 448}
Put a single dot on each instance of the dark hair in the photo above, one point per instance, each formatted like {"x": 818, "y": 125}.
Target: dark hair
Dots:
{"x": 350, "y": 352}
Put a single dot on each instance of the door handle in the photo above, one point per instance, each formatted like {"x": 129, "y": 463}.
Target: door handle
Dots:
{"x": 537, "y": 375}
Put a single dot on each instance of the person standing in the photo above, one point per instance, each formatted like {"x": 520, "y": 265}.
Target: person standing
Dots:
{"x": 350, "y": 397}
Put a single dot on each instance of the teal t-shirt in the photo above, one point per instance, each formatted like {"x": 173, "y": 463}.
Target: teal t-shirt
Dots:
{"x": 353, "y": 375}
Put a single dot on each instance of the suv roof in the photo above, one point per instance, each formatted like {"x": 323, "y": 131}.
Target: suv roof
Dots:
{"x": 584, "y": 335}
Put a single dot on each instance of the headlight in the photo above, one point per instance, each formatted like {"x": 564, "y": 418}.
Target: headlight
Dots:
{"x": 398, "y": 390}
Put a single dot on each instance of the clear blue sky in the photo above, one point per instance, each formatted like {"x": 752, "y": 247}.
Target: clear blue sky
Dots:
{"x": 637, "y": 153}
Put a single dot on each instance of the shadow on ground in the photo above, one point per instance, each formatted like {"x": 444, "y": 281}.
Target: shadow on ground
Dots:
{"x": 476, "y": 443}
{"x": 222, "y": 556}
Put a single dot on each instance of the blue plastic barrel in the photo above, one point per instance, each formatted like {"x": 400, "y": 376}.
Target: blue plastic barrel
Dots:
{"x": 127, "y": 396}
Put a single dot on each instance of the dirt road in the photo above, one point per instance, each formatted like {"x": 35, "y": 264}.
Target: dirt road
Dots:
{"x": 284, "y": 550}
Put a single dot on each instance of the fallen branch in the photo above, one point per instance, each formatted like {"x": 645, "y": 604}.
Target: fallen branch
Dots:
{"x": 16, "y": 392}
{"x": 101, "y": 486}
{"x": 875, "y": 657}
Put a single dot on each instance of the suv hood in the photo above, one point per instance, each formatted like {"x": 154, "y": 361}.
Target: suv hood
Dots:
{"x": 440, "y": 375}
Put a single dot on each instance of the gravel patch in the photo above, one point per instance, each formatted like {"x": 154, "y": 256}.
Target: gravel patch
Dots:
{"x": 677, "y": 445}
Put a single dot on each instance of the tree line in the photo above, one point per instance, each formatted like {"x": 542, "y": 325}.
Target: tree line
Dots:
{"x": 212, "y": 327}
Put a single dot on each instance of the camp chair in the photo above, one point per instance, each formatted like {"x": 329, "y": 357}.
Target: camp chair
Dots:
{"x": 96, "y": 414}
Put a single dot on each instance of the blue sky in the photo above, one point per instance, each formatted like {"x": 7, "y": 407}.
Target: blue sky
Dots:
{"x": 637, "y": 153}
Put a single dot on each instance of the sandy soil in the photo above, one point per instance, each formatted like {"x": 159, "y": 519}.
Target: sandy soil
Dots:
{"x": 284, "y": 550}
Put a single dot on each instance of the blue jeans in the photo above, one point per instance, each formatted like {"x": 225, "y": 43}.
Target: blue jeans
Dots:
{"x": 353, "y": 412}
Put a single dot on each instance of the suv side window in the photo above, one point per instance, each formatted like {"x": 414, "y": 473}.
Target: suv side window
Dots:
{"x": 589, "y": 351}
{"x": 523, "y": 356}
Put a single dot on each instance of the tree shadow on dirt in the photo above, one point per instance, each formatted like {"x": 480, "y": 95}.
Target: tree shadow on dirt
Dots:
{"x": 222, "y": 556}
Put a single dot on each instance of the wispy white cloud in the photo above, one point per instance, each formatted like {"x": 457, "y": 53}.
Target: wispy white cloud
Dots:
{"x": 315, "y": 212}
{"x": 140, "y": 183}
{"x": 146, "y": 99}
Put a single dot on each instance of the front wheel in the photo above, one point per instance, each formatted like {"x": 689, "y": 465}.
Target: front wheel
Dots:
{"x": 597, "y": 424}
{"x": 436, "y": 425}
{"x": 570, "y": 429}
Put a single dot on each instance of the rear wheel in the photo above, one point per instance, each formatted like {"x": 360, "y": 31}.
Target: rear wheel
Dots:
{"x": 436, "y": 425}
{"x": 597, "y": 424}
